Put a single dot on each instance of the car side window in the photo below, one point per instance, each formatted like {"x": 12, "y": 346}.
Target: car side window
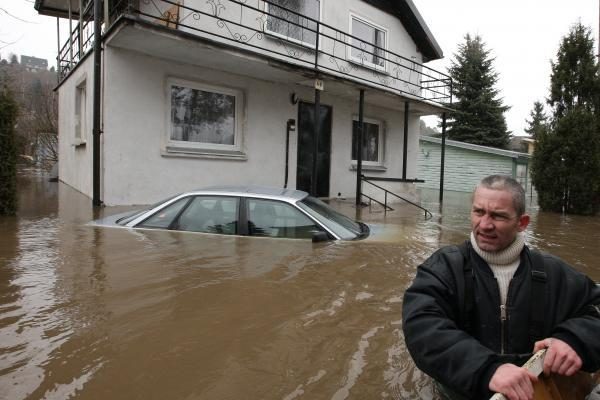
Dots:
{"x": 164, "y": 217}
{"x": 279, "y": 219}
{"x": 210, "y": 214}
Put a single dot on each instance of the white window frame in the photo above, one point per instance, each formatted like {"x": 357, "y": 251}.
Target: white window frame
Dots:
{"x": 179, "y": 146}
{"x": 291, "y": 39}
{"x": 80, "y": 113}
{"x": 380, "y": 145}
{"x": 360, "y": 61}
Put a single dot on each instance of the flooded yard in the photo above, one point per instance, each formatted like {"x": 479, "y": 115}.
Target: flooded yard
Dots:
{"x": 100, "y": 313}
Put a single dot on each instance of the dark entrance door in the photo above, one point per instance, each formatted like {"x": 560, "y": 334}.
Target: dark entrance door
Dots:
{"x": 306, "y": 133}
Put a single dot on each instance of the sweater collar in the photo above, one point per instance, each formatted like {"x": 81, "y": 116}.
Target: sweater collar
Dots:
{"x": 502, "y": 257}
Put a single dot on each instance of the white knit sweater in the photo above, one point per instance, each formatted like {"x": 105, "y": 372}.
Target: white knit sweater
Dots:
{"x": 503, "y": 263}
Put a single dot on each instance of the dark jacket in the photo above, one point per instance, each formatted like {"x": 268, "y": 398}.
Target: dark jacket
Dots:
{"x": 434, "y": 315}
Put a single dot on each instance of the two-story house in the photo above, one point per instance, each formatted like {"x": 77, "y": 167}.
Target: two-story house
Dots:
{"x": 195, "y": 93}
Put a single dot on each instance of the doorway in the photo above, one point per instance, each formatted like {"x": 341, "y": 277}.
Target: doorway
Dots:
{"x": 306, "y": 133}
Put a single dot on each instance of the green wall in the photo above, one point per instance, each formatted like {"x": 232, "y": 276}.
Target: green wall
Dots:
{"x": 464, "y": 168}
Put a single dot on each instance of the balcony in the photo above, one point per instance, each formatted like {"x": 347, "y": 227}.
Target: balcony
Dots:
{"x": 259, "y": 32}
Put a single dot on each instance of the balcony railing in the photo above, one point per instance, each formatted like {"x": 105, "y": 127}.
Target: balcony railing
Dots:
{"x": 273, "y": 31}
{"x": 79, "y": 42}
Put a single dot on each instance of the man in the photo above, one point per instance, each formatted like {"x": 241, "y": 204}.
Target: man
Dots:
{"x": 476, "y": 312}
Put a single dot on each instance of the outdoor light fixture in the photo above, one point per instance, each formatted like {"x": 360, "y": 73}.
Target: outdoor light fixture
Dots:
{"x": 294, "y": 98}
{"x": 291, "y": 125}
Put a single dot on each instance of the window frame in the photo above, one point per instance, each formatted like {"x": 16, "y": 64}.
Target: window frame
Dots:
{"x": 367, "y": 64}
{"x": 179, "y": 146}
{"x": 291, "y": 39}
{"x": 246, "y": 218}
{"x": 80, "y": 112}
{"x": 146, "y": 217}
{"x": 200, "y": 197}
{"x": 381, "y": 143}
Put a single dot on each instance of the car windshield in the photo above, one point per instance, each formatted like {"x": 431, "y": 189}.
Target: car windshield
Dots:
{"x": 134, "y": 214}
{"x": 345, "y": 227}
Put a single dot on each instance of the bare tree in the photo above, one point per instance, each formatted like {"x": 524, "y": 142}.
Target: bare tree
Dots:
{"x": 38, "y": 126}
{"x": 36, "y": 130}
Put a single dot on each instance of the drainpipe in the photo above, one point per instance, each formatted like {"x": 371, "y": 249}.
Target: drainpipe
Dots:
{"x": 405, "y": 150}
{"x": 96, "y": 202}
{"x": 313, "y": 186}
{"x": 291, "y": 126}
{"x": 443, "y": 158}
{"x": 359, "y": 146}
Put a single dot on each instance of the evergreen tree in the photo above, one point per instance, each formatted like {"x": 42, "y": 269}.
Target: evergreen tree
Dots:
{"x": 574, "y": 79}
{"x": 479, "y": 118}
{"x": 538, "y": 125}
{"x": 8, "y": 153}
{"x": 566, "y": 161}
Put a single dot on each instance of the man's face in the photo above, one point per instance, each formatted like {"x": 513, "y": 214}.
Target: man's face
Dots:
{"x": 494, "y": 220}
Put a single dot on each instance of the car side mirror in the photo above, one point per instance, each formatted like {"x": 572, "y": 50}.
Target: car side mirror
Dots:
{"x": 320, "y": 237}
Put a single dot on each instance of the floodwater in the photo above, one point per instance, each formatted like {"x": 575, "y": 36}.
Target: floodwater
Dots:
{"x": 99, "y": 313}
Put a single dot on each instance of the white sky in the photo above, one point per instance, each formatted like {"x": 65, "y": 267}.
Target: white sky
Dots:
{"x": 522, "y": 35}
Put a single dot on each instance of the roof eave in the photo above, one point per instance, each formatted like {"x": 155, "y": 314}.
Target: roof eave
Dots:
{"x": 59, "y": 9}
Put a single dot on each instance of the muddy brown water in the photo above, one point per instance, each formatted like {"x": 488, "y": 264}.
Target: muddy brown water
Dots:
{"x": 98, "y": 313}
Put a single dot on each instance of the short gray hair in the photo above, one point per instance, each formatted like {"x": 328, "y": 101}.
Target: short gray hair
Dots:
{"x": 503, "y": 182}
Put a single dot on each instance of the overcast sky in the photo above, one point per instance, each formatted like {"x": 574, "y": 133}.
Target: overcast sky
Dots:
{"x": 523, "y": 36}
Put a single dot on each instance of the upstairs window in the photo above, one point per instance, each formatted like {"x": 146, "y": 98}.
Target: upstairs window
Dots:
{"x": 203, "y": 117}
{"x": 290, "y": 19}
{"x": 372, "y": 148}
{"x": 369, "y": 42}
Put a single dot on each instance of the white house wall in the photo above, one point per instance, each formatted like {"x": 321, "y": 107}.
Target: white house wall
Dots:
{"x": 75, "y": 167}
{"x": 137, "y": 171}
{"x": 228, "y": 22}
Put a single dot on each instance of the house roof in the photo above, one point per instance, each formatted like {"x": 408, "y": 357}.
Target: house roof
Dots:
{"x": 476, "y": 147}
{"x": 416, "y": 27}
{"x": 405, "y": 10}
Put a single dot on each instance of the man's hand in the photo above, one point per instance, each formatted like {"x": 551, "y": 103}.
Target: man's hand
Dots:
{"x": 515, "y": 383}
{"x": 560, "y": 357}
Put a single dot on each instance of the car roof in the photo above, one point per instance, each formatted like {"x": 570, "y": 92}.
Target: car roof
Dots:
{"x": 289, "y": 195}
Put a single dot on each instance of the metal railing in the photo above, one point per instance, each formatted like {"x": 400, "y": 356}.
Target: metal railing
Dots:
{"x": 274, "y": 31}
{"x": 78, "y": 44}
{"x": 386, "y": 192}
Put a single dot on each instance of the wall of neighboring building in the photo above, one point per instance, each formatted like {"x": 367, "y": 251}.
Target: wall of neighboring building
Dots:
{"x": 139, "y": 170}
{"x": 463, "y": 168}
{"x": 75, "y": 153}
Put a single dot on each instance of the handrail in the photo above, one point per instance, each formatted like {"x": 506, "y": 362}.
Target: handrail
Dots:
{"x": 364, "y": 179}
{"x": 378, "y": 202}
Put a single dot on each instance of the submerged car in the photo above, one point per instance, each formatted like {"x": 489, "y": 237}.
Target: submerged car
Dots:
{"x": 245, "y": 211}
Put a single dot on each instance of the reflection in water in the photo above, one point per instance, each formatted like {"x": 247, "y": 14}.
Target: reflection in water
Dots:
{"x": 97, "y": 313}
